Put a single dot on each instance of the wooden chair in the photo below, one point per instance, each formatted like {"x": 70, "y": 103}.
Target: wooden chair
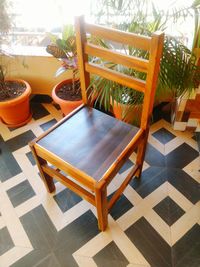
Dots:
{"x": 89, "y": 145}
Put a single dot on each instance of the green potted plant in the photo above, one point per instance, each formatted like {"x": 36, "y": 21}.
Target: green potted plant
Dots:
{"x": 178, "y": 72}
{"x": 14, "y": 94}
{"x": 68, "y": 92}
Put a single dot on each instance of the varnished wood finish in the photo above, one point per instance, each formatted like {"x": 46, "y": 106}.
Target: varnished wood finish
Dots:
{"x": 80, "y": 39}
{"x": 121, "y": 159}
{"x": 70, "y": 184}
{"x": 137, "y": 41}
{"x": 101, "y": 205}
{"x": 141, "y": 153}
{"x": 48, "y": 180}
{"x": 88, "y": 145}
{"x": 90, "y": 141}
{"x": 120, "y": 190}
{"x": 82, "y": 177}
{"x": 116, "y": 57}
{"x": 116, "y": 76}
{"x": 152, "y": 77}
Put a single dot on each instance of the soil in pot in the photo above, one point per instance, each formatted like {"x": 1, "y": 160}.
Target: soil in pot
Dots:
{"x": 11, "y": 89}
{"x": 14, "y": 102}
{"x": 67, "y": 92}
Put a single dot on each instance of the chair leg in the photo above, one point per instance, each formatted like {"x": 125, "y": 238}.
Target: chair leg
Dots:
{"x": 48, "y": 180}
{"x": 102, "y": 207}
{"x": 140, "y": 155}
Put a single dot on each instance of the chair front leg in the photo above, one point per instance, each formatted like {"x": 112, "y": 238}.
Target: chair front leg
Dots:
{"x": 102, "y": 206}
{"x": 141, "y": 154}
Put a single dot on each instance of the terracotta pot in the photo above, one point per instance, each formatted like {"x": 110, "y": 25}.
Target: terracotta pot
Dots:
{"x": 65, "y": 105}
{"x": 129, "y": 114}
{"x": 16, "y": 112}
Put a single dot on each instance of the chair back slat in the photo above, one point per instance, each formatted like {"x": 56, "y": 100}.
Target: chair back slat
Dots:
{"x": 116, "y": 57}
{"x": 153, "y": 46}
{"x": 137, "y": 41}
{"x": 116, "y": 76}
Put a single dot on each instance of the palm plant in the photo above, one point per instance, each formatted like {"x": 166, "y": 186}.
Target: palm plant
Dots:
{"x": 178, "y": 72}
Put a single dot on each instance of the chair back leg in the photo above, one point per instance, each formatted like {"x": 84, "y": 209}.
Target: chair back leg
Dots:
{"x": 48, "y": 180}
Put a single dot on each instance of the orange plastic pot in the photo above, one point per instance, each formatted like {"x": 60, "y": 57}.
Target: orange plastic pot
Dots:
{"x": 16, "y": 112}
{"x": 65, "y": 105}
{"x": 129, "y": 114}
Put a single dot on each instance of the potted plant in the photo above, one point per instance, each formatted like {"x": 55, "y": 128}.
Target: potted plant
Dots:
{"x": 178, "y": 71}
{"x": 14, "y": 94}
{"x": 68, "y": 92}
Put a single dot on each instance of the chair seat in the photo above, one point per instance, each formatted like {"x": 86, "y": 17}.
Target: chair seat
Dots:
{"x": 90, "y": 140}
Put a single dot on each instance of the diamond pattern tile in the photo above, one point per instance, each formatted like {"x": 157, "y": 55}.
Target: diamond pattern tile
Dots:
{"x": 169, "y": 211}
{"x": 47, "y": 125}
{"x": 66, "y": 199}
{"x": 163, "y": 135}
{"x": 31, "y": 158}
{"x": 149, "y": 242}
{"x": 120, "y": 207}
{"x": 20, "y": 193}
{"x": 178, "y": 159}
{"x": 110, "y": 255}
{"x": 60, "y": 229}
{"x": 38, "y": 110}
{"x": 6, "y": 242}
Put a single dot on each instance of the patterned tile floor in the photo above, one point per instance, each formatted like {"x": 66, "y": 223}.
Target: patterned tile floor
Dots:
{"x": 155, "y": 223}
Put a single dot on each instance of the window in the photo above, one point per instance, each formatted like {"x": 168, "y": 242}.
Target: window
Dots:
{"x": 34, "y": 18}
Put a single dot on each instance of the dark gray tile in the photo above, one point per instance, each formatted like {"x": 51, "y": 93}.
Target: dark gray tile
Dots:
{"x": 126, "y": 166}
{"x": 8, "y": 169}
{"x": 186, "y": 252}
{"x": 74, "y": 236}
{"x": 48, "y": 261}
{"x": 163, "y": 135}
{"x": 181, "y": 156}
{"x": 168, "y": 210}
{"x": 6, "y": 242}
{"x": 38, "y": 110}
{"x": 20, "y": 140}
{"x": 56, "y": 106}
{"x": 9, "y": 166}
{"x": 66, "y": 199}
{"x": 31, "y": 158}
{"x": 184, "y": 183}
{"x": 39, "y": 228}
{"x": 162, "y": 111}
{"x": 197, "y": 138}
{"x": 153, "y": 157}
{"x": 45, "y": 238}
{"x": 20, "y": 193}
{"x": 41, "y": 99}
{"x": 111, "y": 255}
{"x": 153, "y": 248}
{"x": 150, "y": 179}
{"x": 47, "y": 125}
{"x": 32, "y": 258}
{"x": 120, "y": 207}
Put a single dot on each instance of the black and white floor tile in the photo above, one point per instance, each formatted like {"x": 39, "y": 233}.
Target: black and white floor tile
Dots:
{"x": 155, "y": 223}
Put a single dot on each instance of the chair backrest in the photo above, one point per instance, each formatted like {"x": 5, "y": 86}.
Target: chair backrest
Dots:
{"x": 153, "y": 45}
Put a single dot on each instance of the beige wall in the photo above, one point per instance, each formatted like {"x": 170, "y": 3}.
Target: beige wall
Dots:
{"x": 39, "y": 71}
